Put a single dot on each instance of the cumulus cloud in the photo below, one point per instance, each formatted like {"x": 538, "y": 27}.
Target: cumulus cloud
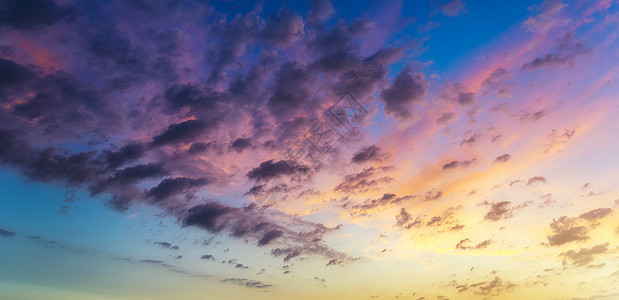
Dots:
{"x": 370, "y": 153}
{"x": 584, "y": 256}
{"x": 166, "y": 245}
{"x": 407, "y": 88}
{"x": 502, "y": 158}
{"x": 535, "y": 179}
{"x": 458, "y": 164}
{"x": 567, "y": 230}
{"x": 6, "y": 233}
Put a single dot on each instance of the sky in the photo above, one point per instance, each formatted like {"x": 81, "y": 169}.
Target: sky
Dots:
{"x": 162, "y": 149}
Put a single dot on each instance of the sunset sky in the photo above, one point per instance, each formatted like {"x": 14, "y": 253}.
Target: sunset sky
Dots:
{"x": 163, "y": 149}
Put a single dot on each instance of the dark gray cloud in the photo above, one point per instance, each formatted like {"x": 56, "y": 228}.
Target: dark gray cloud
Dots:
{"x": 270, "y": 169}
{"x": 166, "y": 245}
{"x": 33, "y": 14}
{"x": 241, "y": 144}
{"x": 207, "y": 257}
{"x": 127, "y": 153}
{"x": 458, "y": 164}
{"x": 270, "y": 236}
{"x": 369, "y": 153}
{"x": 6, "y": 233}
{"x": 12, "y": 74}
{"x": 138, "y": 172}
{"x": 291, "y": 90}
{"x": 407, "y": 88}
{"x": 283, "y": 28}
{"x": 173, "y": 186}
{"x": 206, "y": 216}
{"x": 181, "y": 132}
{"x": 502, "y": 158}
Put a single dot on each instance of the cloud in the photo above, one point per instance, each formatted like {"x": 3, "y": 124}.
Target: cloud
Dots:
{"x": 458, "y": 164}
{"x": 565, "y": 54}
{"x": 33, "y": 14}
{"x": 566, "y": 230}
{"x": 241, "y": 144}
{"x": 491, "y": 287}
{"x": 206, "y": 216}
{"x": 407, "y": 88}
{"x": 207, "y": 257}
{"x": 166, "y": 245}
{"x": 6, "y": 233}
{"x": 270, "y": 169}
{"x": 270, "y": 236}
{"x": 456, "y": 93}
{"x": 499, "y": 210}
{"x": 464, "y": 245}
{"x": 173, "y": 186}
{"x": 283, "y": 28}
{"x": 596, "y": 214}
{"x": 254, "y": 284}
{"x": 454, "y": 8}
{"x": 549, "y": 16}
{"x": 363, "y": 181}
{"x": 496, "y": 78}
{"x": 320, "y": 11}
{"x": 182, "y": 132}
{"x": 127, "y": 153}
{"x": 584, "y": 255}
{"x": 535, "y": 179}
{"x": 433, "y": 194}
{"x": 445, "y": 117}
{"x": 369, "y": 204}
{"x": 370, "y": 153}
{"x": 502, "y": 158}
{"x": 12, "y": 73}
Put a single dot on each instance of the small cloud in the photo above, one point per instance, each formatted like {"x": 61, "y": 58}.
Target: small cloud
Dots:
{"x": 454, "y": 8}
{"x": 208, "y": 257}
{"x": 584, "y": 255}
{"x": 369, "y": 153}
{"x": 166, "y": 245}
{"x": 567, "y": 230}
{"x": 248, "y": 283}
{"x": 445, "y": 117}
{"x": 502, "y": 158}
{"x": 500, "y": 210}
{"x": 458, "y": 164}
{"x": 596, "y": 214}
{"x": 535, "y": 179}
{"x": 6, "y": 233}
